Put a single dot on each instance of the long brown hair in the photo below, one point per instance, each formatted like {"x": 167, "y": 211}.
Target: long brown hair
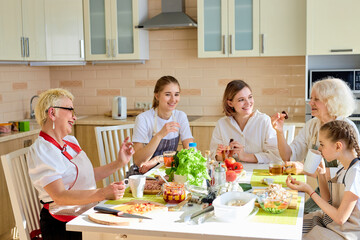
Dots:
{"x": 160, "y": 85}
{"x": 340, "y": 130}
{"x": 231, "y": 90}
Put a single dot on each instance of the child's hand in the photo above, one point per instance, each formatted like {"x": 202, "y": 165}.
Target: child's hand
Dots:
{"x": 321, "y": 169}
{"x": 296, "y": 185}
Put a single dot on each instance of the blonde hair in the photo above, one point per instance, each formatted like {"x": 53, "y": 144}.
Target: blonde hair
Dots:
{"x": 160, "y": 85}
{"x": 49, "y": 99}
{"x": 336, "y": 95}
{"x": 340, "y": 130}
{"x": 231, "y": 90}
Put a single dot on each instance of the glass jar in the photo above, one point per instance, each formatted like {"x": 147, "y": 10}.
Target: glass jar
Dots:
{"x": 173, "y": 192}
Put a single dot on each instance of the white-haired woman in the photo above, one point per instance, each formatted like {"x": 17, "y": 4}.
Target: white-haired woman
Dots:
{"x": 331, "y": 99}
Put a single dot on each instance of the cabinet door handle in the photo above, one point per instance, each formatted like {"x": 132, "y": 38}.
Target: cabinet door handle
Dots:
{"x": 22, "y": 40}
{"x": 262, "y": 43}
{"x": 108, "y": 48}
{"x": 224, "y": 44}
{"x": 230, "y": 43}
{"x": 341, "y": 50}
{"x": 82, "y": 54}
{"x": 27, "y": 47}
{"x": 114, "y": 47}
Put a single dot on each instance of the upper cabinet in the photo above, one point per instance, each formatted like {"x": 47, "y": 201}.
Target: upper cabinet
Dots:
{"x": 282, "y": 28}
{"x": 240, "y": 28}
{"x": 228, "y": 28}
{"x": 332, "y": 27}
{"x": 64, "y": 30}
{"x": 110, "y": 32}
{"x": 22, "y": 30}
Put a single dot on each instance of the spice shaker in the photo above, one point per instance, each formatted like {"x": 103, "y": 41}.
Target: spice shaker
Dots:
{"x": 220, "y": 176}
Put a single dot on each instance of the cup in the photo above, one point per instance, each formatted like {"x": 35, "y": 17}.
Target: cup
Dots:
{"x": 168, "y": 158}
{"x": 312, "y": 161}
{"x": 137, "y": 184}
{"x": 276, "y": 168}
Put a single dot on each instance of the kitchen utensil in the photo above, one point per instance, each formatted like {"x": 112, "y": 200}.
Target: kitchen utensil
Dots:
{"x": 205, "y": 210}
{"x": 119, "y": 108}
{"x": 180, "y": 205}
{"x": 118, "y": 213}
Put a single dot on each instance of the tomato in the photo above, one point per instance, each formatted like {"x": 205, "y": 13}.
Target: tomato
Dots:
{"x": 237, "y": 167}
{"x": 229, "y": 162}
{"x": 230, "y": 176}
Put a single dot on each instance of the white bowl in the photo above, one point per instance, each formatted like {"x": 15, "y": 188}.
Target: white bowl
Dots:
{"x": 226, "y": 213}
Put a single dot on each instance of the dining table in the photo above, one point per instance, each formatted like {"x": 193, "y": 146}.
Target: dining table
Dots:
{"x": 171, "y": 225}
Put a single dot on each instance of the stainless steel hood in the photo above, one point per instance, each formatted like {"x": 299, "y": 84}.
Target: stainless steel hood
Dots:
{"x": 172, "y": 16}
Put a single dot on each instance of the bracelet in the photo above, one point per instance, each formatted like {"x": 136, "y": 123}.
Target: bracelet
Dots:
{"x": 312, "y": 193}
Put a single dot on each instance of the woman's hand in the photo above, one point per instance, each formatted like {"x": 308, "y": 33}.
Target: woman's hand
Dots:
{"x": 145, "y": 167}
{"x": 294, "y": 168}
{"x": 125, "y": 153}
{"x": 114, "y": 191}
{"x": 168, "y": 128}
{"x": 277, "y": 121}
{"x": 297, "y": 185}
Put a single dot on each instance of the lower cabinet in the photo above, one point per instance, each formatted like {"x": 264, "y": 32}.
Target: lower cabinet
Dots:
{"x": 7, "y": 217}
{"x": 202, "y": 137}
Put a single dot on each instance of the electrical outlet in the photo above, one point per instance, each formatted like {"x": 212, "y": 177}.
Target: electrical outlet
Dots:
{"x": 138, "y": 104}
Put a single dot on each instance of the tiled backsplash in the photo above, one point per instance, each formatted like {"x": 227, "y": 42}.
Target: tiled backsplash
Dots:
{"x": 278, "y": 83}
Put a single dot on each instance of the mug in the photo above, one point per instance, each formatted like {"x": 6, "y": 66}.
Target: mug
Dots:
{"x": 312, "y": 161}
{"x": 137, "y": 184}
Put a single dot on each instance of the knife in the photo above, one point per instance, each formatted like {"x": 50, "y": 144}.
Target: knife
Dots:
{"x": 117, "y": 212}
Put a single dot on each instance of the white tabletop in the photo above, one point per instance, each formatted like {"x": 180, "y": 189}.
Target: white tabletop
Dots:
{"x": 165, "y": 225}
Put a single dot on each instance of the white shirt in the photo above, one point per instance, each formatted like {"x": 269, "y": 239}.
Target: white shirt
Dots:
{"x": 352, "y": 180}
{"x": 258, "y": 136}
{"x": 46, "y": 164}
{"x": 144, "y": 126}
{"x": 308, "y": 138}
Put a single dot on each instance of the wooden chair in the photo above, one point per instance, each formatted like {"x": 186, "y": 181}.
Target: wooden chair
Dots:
{"x": 289, "y": 132}
{"x": 24, "y": 199}
{"x": 108, "y": 141}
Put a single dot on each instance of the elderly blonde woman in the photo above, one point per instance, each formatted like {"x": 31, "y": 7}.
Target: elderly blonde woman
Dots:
{"x": 331, "y": 99}
{"x": 61, "y": 172}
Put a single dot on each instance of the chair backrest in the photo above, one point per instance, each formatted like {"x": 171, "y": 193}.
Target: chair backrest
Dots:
{"x": 289, "y": 132}
{"x": 108, "y": 141}
{"x": 24, "y": 199}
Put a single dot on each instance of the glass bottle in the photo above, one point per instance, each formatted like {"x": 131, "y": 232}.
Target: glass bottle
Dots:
{"x": 220, "y": 176}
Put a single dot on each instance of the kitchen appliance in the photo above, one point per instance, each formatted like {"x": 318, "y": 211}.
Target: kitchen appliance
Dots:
{"x": 350, "y": 76}
{"x": 119, "y": 108}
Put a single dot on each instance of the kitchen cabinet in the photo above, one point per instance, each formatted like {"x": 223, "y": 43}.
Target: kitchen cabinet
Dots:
{"x": 64, "y": 30}
{"x": 228, "y": 28}
{"x": 332, "y": 27}
{"x": 7, "y": 217}
{"x": 22, "y": 30}
{"x": 110, "y": 32}
{"x": 282, "y": 28}
{"x": 202, "y": 137}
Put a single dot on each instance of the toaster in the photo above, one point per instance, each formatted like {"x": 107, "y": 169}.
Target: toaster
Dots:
{"x": 119, "y": 108}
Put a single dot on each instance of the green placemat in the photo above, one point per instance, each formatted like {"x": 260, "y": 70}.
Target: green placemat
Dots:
{"x": 259, "y": 174}
{"x": 128, "y": 197}
{"x": 288, "y": 217}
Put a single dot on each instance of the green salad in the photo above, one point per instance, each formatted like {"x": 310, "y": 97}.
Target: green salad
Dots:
{"x": 189, "y": 163}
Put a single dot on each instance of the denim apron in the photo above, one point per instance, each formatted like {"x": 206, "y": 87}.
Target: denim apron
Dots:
{"x": 320, "y": 224}
{"x": 164, "y": 145}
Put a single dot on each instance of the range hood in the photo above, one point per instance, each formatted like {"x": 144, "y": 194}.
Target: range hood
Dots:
{"x": 172, "y": 16}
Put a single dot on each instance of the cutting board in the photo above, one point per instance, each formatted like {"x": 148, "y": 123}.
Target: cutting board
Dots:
{"x": 109, "y": 219}
{"x": 293, "y": 203}
{"x": 150, "y": 192}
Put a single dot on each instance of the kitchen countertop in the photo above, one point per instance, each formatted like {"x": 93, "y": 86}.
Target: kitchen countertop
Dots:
{"x": 101, "y": 120}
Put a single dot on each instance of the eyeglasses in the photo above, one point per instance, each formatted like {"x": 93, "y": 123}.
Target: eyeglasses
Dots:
{"x": 66, "y": 108}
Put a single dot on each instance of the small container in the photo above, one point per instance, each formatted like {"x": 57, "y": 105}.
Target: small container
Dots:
{"x": 173, "y": 192}
{"x": 220, "y": 176}
{"x": 193, "y": 145}
{"x": 276, "y": 168}
{"x": 168, "y": 158}
{"x": 5, "y": 127}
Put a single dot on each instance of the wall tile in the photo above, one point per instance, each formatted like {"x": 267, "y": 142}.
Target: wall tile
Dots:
{"x": 145, "y": 83}
{"x": 71, "y": 84}
{"x": 19, "y": 86}
{"x": 107, "y": 92}
{"x": 191, "y": 92}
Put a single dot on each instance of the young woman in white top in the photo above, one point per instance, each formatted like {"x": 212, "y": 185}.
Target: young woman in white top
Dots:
{"x": 249, "y": 133}
{"x": 339, "y": 217}
{"x": 160, "y": 128}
